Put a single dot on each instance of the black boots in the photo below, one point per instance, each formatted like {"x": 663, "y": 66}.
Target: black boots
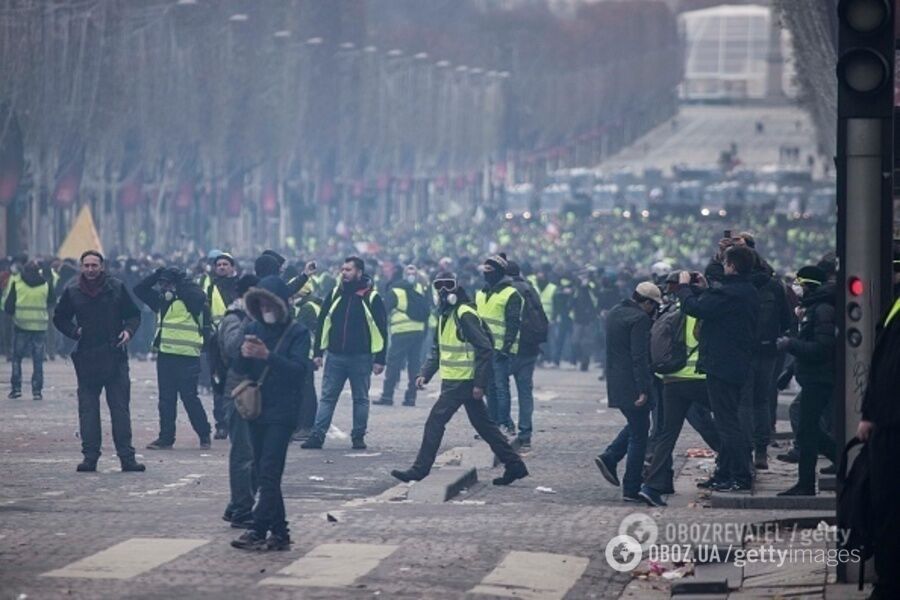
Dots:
{"x": 87, "y": 466}
{"x": 513, "y": 472}
{"x": 408, "y": 475}
{"x": 129, "y": 465}
{"x": 799, "y": 490}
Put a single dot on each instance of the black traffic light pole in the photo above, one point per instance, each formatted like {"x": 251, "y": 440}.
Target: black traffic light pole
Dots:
{"x": 864, "y": 161}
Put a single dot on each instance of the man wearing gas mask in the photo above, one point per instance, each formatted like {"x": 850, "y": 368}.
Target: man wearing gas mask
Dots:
{"x": 184, "y": 321}
{"x": 461, "y": 352}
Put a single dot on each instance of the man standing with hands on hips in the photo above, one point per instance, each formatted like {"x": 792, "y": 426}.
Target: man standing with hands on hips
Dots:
{"x": 105, "y": 319}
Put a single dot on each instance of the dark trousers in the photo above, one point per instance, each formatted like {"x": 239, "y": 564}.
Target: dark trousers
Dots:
{"x": 219, "y": 413}
{"x": 270, "y": 444}
{"x": 405, "y": 349}
{"x": 811, "y": 439}
{"x": 825, "y": 422}
{"x": 118, "y": 398}
{"x": 308, "y": 400}
{"x": 631, "y": 442}
{"x": 452, "y": 397}
{"x": 780, "y": 360}
{"x": 884, "y": 454}
{"x": 678, "y": 397}
{"x": 241, "y": 472}
{"x": 583, "y": 336}
{"x": 178, "y": 376}
{"x": 756, "y": 421}
{"x": 734, "y": 455}
{"x": 561, "y": 341}
{"x": 32, "y": 344}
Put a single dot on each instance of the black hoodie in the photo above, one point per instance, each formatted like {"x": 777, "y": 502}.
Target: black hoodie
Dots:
{"x": 814, "y": 346}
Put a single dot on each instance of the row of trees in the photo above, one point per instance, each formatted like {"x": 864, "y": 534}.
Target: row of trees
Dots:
{"x": 239, "y": 123}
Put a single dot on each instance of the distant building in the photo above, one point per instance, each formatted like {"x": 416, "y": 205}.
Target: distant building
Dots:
{"x": 735, "y": 52}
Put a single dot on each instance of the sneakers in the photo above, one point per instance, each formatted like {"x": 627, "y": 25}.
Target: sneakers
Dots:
{"x": 37, "y": 396}
{"x": 407, "y": 475}
{"x": 798, "y": 490}
{"x": 651, "y": 496}
{"x": 205, "y": 444}
{"x": 278, "y": 542}
{"x": 221, "y": 434}
{"x": 512, "y": 473}
{"x": 791, "y": 456}
{"x": 14, "y": 394}
{"x": 708, "y": 484}
{"x": 132, "y": 466}
{"x": 158, "y": 444}
{"x": 301, "y": 435}
{"x": 636, "y": 499}
{"x": 313, "y": 443}
{"x": 383, "y": 402}
{"x": 607, "y": 470}
{"x": 732, "y": 485}
{"x": 359, "y": 443}
{"x": 250, "y": 540}
{"x": 520, "y": 445}
{"x": 761, "y": 461}
{"x": 86, "y": 466}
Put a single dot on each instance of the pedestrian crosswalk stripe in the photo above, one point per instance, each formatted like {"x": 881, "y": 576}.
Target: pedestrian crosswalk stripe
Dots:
{"x": 533, "y": 576}
{"x": 128, "y": 559}
{"x": 332, "y": 565}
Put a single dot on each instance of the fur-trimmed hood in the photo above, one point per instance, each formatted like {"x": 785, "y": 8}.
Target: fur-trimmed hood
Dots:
{"x": 274, "y": 289}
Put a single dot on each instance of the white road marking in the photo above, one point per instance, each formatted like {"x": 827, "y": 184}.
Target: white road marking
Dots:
{"x": 533, "y": 576}
{"x": 332, "y": 565}
{"x": 168, "y": 487}
{"x": 128, "y": 559}
{"x": 545, "y": 396}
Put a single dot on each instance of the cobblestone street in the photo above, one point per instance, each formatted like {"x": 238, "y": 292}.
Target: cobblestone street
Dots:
{"x": 160, "y": 534}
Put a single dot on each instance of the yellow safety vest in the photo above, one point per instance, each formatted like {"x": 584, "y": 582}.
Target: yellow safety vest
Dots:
{"x": 179, "y": 332}
{"x": 314, "y": 306}
{"x": 217, "y": 306}
{"x": 31, "y": 307}
{"x": 13, "y": 278}
{"x": 400, "y": 321}
{"x": 374, "y": 333}
{"x": 457, "y": 361}
{"x": 547, "y": 298}
{"x": 894, "y": 312}
{"x": 492, "y": 311}
{"x": 690, "y": 369}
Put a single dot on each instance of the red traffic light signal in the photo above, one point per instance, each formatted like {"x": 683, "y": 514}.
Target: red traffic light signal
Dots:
{"x": 855, "y": 286}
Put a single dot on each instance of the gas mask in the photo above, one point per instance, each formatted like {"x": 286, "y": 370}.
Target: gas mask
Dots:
{"x": 269, "y": 317}
{"x": 446, "y": 291}
{"x": 448, "y": 297}
{"x": 169, "y": 295}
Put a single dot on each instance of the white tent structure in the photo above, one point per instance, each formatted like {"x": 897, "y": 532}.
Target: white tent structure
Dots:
{"x": 732, "y": 52}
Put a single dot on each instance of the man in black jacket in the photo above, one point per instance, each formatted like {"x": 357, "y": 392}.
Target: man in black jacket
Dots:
{"x": 814, "y": 367}
{"x": 729, "y": 314}
{"x": 353, "y": 329}
{"x": 105, "y": 319}
{"x": 184, "y": 321}
{"x": 462, "y": 353}
{"x": 629, "y": 385}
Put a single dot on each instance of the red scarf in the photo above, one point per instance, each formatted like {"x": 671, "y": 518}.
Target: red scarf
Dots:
{"x": 92, "y": 287}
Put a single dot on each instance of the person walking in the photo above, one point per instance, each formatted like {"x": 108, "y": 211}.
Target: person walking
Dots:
{"x": 220, "y": 289}
{"x": 408, "y": 308}
{"x": 629, "y": 385}
{"x": 729, "y": 314}
{"x": 462, "y": 354}
{"x": 353, "y": 331}
{"x": 275, "y": 351}
{"x": 183, "y": 317}
{"x": 241, "y": 476}
{"x": 96, "y": 311}
{"x": 585, "y": 315}
{"x": 28, "y": 303}
{"x": 814, "y": 351}
{"x": 307, "y": 310}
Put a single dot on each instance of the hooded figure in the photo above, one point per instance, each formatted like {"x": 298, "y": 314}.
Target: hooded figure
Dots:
{"x": 278, "y": 348}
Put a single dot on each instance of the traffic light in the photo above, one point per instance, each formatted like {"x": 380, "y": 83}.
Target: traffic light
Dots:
{"x": 865, "y": 58}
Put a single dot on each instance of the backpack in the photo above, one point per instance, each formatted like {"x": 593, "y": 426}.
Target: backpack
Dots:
{"x": 668, "y": 347}
{"x": 855, "y": 505}
{"x": 535, "y": 326}
{"x": 767, "y": 323}
{"x": 416, "y": 306}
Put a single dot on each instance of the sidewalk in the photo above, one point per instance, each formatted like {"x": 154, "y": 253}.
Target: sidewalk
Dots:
{"x": 792, "y": 527}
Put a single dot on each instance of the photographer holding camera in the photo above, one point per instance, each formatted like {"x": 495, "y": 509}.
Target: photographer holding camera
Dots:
{"x": 729, "y": 313}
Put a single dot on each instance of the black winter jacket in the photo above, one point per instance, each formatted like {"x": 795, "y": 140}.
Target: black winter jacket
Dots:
{"x": 101, "y": 319}
{"x": 727, "y": 338}
{"x": 628, "y": 371}
{"x": 815, "y": 345}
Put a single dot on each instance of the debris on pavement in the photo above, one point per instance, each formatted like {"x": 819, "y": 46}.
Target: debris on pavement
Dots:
{"x": 544, "y": 490}
{"x": 699, "y": 453}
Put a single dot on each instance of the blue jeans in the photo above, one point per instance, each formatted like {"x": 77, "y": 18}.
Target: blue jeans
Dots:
{"x": 28, "y": 343}
{"x": 241, "y": 473}
{"x": 499, "y": 403}
{"x": 631, "y": 442}
{"x": 523, "y": 372}
{"x": 338, "y": 369}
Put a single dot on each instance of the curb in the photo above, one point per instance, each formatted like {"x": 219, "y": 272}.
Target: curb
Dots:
{"x": 442, "y": 485}
{"x": 746, "y": 501}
